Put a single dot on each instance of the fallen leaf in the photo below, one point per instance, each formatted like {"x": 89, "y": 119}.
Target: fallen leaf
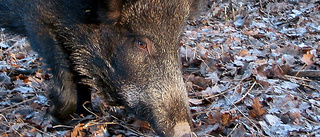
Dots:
{"x": 78, "y": 131}
{"x": 20, "y": 55}
{"x": 196, "y": 101}
{"x": 251, "y": 32}
{"x": 214, "y": 117}
{"x": 243, "y": 53}
{"x": 280, "y": 71}
{"x": 257, "y": 110}
{"x": 226, "y": 118}
{"x": 307, "y": 58}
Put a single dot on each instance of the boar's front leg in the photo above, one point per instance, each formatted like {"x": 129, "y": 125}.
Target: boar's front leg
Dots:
{"x": 67, "y": 94}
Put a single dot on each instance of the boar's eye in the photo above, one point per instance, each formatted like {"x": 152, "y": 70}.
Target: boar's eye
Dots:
{"x": 141, "y": 44}
{"x": 146, "y": 45}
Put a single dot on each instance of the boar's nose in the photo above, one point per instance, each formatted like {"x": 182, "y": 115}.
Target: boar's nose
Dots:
{"x": 182, "y": 130}
{"x": 188, "y": 135}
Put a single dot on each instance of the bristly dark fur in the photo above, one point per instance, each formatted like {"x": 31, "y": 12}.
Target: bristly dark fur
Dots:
{"x": 127, "y": 49}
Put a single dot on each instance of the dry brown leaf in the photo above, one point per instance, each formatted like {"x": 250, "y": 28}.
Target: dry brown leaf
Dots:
{"x": 264, "y": 83}
{"x": 261, "y": 70}
{"x": 294, "y": 114}
{"x": 78, "y": 131}
{"x": 261, "y": 74}
{"x": 280, "y": 71}
{"x": 251, "y": 32}
{"x": 144, "y": 125}
{"x": 307, "y": 58}
{"x": 227, "y": 57}
{"x": 226, "y": 118}
{"x": 4, "y": 135}
{"x": 243, "y": 53}
{"x": 25, "y": 80}
{"x": 257, "y": 110}
{"x": 201, "y": 81}
{"x": 196, "y": 101}
{"x": 20, "y": 55}
{"x": 33, "y": 131}
{"x": 306, "y": 49}
{"x": 214, "y": 117}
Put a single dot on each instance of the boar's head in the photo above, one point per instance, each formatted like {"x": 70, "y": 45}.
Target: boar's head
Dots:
{"x": 137, "y": 63}
{"x": 145, "y": 63}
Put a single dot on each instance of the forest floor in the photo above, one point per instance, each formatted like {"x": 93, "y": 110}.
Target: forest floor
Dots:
{"x": 251, "y": 68}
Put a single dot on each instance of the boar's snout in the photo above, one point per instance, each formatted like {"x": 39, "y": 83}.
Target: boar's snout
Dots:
{"x": 182, "y": 130}
{"x": 163, "y": 103}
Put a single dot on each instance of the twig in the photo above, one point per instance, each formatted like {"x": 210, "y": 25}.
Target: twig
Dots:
{"x": 216, "y": 95}
{"x": 313, "y": 133}
{"x": 306, "y": 100}
{"x": 233, "y": 130}
{"x": 83, "y": 105}
{"x": 62, "y": 126}
{"x": 305, "y": 73}
{"x": 304, "y": 95}
{"x": 244, "y": 115}
{"x": 99, "y": 123}
{"x": 4, "y": 118}
{"x": 40, "y": 130}
{"x": 313, "y": 122}
{"x": 260, "y": 2}
{"x": 222, "y": 93}
{"x": 299, "y": 78}
{"x": 102, "y": 110}
{"x": 8, "y": 125}
{"x": 246, "y": 93}
{"x": 132, "y": 130}
{"x": 194, "y": 134}
{"x": 4, "y": 109}
{"x": 301, "y": 69}
{"x": 212, "y": 96}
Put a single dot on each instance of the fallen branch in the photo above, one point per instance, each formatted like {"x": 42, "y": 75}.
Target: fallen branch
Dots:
{"x": 305, "y": 73}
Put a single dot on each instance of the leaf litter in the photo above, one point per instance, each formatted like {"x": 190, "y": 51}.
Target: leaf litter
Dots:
{"x": 251, "y": 69}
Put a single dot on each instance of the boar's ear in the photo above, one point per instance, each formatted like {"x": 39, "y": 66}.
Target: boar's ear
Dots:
{"x": 197, "y": 7}
{"x": 110, "y": 10}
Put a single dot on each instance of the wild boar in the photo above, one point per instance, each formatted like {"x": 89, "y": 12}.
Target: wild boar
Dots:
{"x": 127, "y": 49}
